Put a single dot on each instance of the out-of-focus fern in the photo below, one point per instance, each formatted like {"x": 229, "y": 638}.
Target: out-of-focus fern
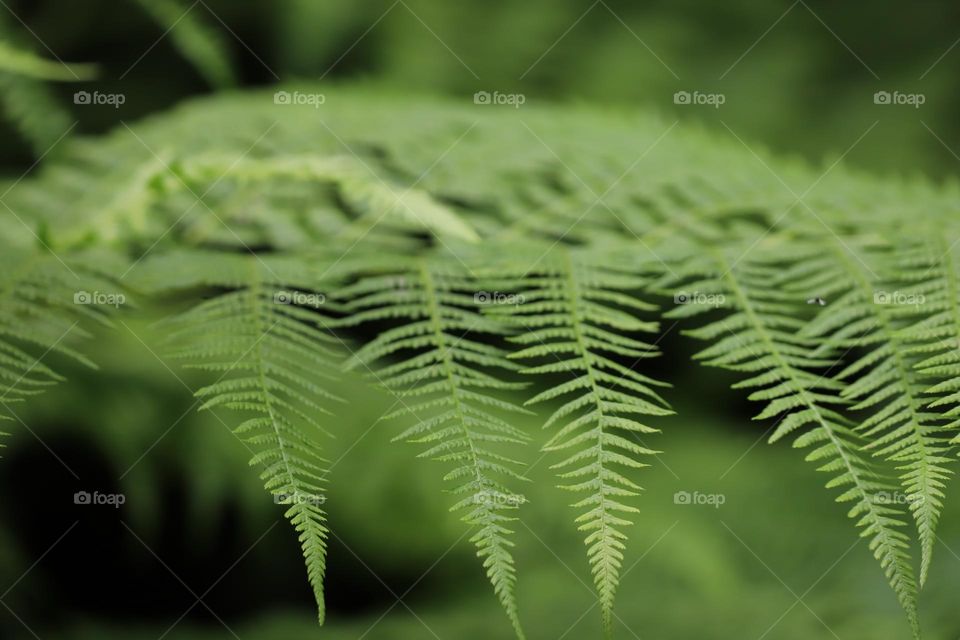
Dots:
{"x": 374, "y": 198}
{"x": 200, "y": 43}
{"x": 404, "y": 213}
{"x": 47, "y": 303}
{"x": 26, "y": 100}
{"x": 24, "y": 63}
{"x": 30, "y": 105}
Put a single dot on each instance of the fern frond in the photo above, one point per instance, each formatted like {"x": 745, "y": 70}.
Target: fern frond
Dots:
{"x": 386, "y": 182}
{"x": 935, "y": 338}
{"x": 204, "y": 46}
{"x": 577, "y": 316}
{"x": 761, "y": 335}
{"x": 272, "y": 361}
{"x": 24, "y": 63}
{"x": 441, "y": 380}
{"x": 47, "y": 303}
{"x": 868, "y": 313}
{"x": 360, "y": 189}
{"x": 33, "y": 110}
{"x": 27, "y": 102}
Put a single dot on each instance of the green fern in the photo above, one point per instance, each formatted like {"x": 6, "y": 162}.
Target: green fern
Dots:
{"x": 24, "y": 63}
{"x": 226, "y": 201}
{"x": 933, "y": 270}
{"x": 375, "y": 199}
{"x": 569, "y": 314}
{"x": 440, "y": 382}
{"x": 47, "y": 303}
{"x": 30, "y": 105}
{"x": 763, "y": 337}
{"x": 201, "y": 44}
{"x": 26, "y": 100}
{"x": 263, "y": 340}
{"x": 865, "y": 313}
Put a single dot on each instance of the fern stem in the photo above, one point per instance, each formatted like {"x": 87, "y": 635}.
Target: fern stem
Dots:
{"x": 609, "y": 577}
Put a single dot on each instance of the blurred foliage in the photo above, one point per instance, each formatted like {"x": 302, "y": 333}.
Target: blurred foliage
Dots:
{"x": 800, "y": 77}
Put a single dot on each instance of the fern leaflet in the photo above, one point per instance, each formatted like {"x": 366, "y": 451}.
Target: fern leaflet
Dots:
{"x": 901, "y": 428}
{"x": 440, "y": 382}
{"x": 762, "y": 337}
{"x": 577, "y": 314}
{"x": 272, "y": 359}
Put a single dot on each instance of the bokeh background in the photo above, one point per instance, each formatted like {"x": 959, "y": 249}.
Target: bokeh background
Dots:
{"x": 199, "y": 550}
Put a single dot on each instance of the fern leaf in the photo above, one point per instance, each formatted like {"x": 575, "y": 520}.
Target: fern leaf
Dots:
{"x": 935, "y": 338}
{"x": 26, "y": 100}
{"x": 33, "y": 110}
{"x": 199, "y": 43}
{"x": 47, "y": 303}
{"x": 576, "y": 314}
{"x": 24, "y": 63}
{"x": 359, "y": 187}
{"x": 871, "y": 314}
{"x": 337, "y": 177}
{"x": 761, "y": 336}
{"x": 440, "y": 382}
{"x": 272, "y": 361}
